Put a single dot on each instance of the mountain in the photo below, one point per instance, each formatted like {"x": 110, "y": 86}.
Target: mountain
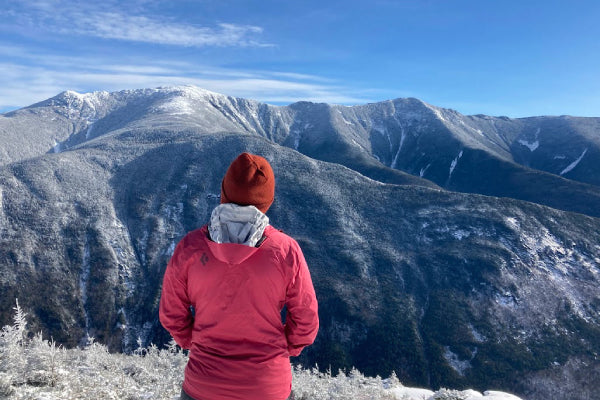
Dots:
{"x": 553, "y": 161}
{"x": 78, "y": 118}
{"x": 446, "y": 288}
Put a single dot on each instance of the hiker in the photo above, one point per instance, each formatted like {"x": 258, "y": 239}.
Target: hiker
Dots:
{"x": 224, "y": 290}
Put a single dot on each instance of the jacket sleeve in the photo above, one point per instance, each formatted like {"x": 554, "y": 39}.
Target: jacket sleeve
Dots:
{"x": 302, "y": 318}
{"x": 174, "y": 310}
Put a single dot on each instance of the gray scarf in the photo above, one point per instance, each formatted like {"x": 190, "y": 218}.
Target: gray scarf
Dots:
{"x": 232, "y": 223}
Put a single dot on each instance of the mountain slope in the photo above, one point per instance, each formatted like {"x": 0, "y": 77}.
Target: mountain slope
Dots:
{"x": 73, "y": 119}
{"x": 482, "y": 154}
{"x": 553, "y": 161}
{"x": 447, "y": 289}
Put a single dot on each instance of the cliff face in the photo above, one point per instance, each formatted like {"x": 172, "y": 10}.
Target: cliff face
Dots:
{"x": 446, "y": 288}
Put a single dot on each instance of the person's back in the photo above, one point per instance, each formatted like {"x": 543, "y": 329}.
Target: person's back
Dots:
{"x": 224, "y": 290}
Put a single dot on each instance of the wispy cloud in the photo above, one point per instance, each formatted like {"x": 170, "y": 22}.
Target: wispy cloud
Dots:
{"x": 43, "y": 65}
{"x": 143, "y": 29}
{"x": 92, "y": 19}
{"x": 24, "y": 84}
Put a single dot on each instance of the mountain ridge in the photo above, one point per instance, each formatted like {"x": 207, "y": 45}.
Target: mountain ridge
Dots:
{"x": 287, "y": 124}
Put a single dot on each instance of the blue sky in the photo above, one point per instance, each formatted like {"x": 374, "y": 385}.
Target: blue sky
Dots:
{"x": 496, "y": 57}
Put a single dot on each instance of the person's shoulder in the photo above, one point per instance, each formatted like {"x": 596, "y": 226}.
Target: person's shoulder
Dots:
{"x": 281, "y": 238}
{"x": 197, "y": 234}
{"x": 187, "y": 248}
{"x": 272, "y": 232}
{"x": 193, "y": 239}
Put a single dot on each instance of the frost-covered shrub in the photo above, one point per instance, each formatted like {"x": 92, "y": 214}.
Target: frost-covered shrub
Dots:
{"x": 6, "y": 388}
{"x": 43, "y": 359}
{"x": 13, "y": 360}
{"x": 446, "y": 394}
{"x": 311, "y": 384}
{"x": 36, "y": 369}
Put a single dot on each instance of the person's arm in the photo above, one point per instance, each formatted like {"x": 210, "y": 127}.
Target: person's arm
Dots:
{"x": 174, "y": 310}
{"x": 302, "y": 319}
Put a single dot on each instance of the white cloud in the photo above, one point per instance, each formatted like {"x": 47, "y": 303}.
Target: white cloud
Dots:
{"x": 293, "y": 75}
{"x": 271, "y": 90}
{"x": 24, "y": 84}
{"x": 92, "y": 19}
{"x": 111, "y": 25}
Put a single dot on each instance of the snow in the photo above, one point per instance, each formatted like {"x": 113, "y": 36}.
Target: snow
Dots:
{"x": 556, "y": 261}
{"x": 454, "y": 163}
{"x": 296, "y": 134}
{"x": 458, "y": 365}
{"x": 479, "y": 338}
{"x": 402, "y": 393}
{"x": 82, "y": 105}
{"x": 531, "y": 146}
{"x": 477, "y": 131}
{"x": 143, "y": 245}
{"x": 171, "y": 248}
{"x": 151, "y": 373}
{"x": 460, "y": 234}
{"x": 506, "y": 300}
{"x": 406, "y": 393}
{"x": 423, "y": 170}
{"x": 574, "y": 163}
{"x": 191, "y": 91}
{"x": 344, "y": 119}
{"x": 496, "y": 395}
{"x": 513, "y": 223}
{"x": 88, "y": 132}
{"x": 402, "y": 138}
{"x": 379, "y": 129}
{"x": 177, "y": 106}
{"x": 436, "y": 111}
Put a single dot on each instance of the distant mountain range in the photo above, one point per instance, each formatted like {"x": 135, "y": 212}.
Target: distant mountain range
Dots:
{"x": 425, "y": 256}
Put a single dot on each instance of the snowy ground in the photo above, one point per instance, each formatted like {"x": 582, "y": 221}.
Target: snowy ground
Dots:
{"x": 38, "y": 369}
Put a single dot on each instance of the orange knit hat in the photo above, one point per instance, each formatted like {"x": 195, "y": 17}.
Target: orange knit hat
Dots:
{"x": 249, "y": 180}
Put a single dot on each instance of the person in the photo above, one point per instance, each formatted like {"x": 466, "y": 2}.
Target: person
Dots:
{"x": 224, "y": 290}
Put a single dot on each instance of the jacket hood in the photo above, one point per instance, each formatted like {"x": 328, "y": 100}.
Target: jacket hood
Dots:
{"x": 235, "y": 231}
{"x": 231, "y": 253}
{"x": 232, "y": 223}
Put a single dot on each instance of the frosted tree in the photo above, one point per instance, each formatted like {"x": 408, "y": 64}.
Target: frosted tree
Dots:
{"x": 13, "y": 360}
{"x": 36, "y": 368}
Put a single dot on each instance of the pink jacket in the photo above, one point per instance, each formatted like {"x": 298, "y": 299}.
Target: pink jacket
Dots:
{"x": 239, "y": 348}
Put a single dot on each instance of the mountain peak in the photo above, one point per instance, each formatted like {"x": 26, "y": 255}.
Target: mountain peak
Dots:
{"x": 71, "y": 96}
{"x": 189, "y": 91}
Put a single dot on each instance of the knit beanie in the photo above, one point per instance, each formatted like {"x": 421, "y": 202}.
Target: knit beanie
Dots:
{"x": 249, "y": 180}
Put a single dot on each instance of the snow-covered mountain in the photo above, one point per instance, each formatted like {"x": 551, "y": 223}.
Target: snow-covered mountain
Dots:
{"x": 446, "y": 288}
{"x": 78, "y": 118}
{"x": 553, "y": 161}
